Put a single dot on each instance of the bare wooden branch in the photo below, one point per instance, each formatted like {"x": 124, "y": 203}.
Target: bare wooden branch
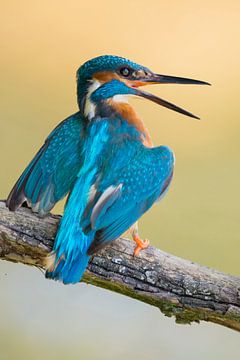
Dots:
{"x": 178, "y": 287}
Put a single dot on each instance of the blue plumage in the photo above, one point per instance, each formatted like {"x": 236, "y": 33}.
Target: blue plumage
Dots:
{"x": 72, "y": 243}
{"x": 143, "y": 180}
{"x": 119, "y": 181}
{"x": 53, "y": 170}
{"x": 103, "y": 155}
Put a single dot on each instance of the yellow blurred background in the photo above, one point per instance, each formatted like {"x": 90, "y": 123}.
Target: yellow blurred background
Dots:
{"x": 42, "y": 45}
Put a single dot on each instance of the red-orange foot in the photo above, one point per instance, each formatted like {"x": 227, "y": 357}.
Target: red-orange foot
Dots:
{"x": 141, "y": 244}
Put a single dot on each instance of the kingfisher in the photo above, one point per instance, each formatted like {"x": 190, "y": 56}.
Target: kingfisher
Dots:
{"x": 104, "y": 158}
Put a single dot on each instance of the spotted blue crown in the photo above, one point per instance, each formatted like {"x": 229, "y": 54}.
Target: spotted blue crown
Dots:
{"x": 104, "y": 63}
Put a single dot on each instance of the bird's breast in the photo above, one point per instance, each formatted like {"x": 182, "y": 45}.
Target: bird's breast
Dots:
{"x": 126, "y": 111}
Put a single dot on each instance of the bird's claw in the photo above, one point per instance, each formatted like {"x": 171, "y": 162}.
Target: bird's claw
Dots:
{"x": 141, "y": 244}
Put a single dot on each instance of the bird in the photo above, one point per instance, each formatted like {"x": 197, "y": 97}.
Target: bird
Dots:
{"x": 122, "y": 174}
{"x": 51, "y": 174}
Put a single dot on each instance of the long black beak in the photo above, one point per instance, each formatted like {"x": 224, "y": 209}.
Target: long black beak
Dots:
{"x": 166, "y": 79}
{"x": 164, "y": 103}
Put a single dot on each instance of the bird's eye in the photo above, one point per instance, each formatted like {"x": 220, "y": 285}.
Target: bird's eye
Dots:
{"x": 125, "y": 71}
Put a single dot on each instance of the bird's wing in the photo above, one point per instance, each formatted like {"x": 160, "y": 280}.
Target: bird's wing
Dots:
{"x": 52, "y": 172}
{"x": 140, "y": 184}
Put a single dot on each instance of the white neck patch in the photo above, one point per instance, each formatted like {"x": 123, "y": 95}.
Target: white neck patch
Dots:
{"x": 89, "y": 109}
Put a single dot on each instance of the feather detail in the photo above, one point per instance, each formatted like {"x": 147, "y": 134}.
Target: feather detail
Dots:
{"x": 53, "y": 170}
{"x": 70, "y": 257}
{"x": 126, "y": 111}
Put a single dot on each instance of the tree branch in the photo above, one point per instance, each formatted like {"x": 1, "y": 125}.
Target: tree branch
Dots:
{"x": 178, "y": 287}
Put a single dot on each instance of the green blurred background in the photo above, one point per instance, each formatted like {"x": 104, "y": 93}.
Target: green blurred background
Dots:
{"x": 42, "y": 45}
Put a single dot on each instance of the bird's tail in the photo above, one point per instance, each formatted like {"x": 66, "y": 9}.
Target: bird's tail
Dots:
{"x": 69, "y": 259}
{"x": 69, "y": 267}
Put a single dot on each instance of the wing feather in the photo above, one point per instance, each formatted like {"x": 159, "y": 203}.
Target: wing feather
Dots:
{"x": 53, "y": 170}
{"x": 135, "y": 198}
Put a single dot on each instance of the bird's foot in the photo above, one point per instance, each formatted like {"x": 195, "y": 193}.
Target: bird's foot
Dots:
{"x": 141, "y": 244}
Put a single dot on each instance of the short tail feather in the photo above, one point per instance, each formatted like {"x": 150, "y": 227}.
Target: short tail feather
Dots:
{"x": 69, "y": 259}
{"x": 68, "y": 271}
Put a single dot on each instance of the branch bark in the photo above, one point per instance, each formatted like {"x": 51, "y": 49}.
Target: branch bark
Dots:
{"x": 178, "y": 287}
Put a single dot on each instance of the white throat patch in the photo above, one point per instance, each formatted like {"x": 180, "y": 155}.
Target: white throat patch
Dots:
{"x": 120, "y": 98}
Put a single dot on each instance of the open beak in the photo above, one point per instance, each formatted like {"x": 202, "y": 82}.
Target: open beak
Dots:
{"x": 165, "y": 79}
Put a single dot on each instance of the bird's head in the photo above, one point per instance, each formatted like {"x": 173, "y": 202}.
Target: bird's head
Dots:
{"x": 110, "y": 77}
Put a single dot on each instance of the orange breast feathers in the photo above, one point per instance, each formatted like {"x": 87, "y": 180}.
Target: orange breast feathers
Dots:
{"x": 126, "y": 111}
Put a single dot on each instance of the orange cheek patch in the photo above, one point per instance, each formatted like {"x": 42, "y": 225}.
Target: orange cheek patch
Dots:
{"x": 105, "y": 76}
